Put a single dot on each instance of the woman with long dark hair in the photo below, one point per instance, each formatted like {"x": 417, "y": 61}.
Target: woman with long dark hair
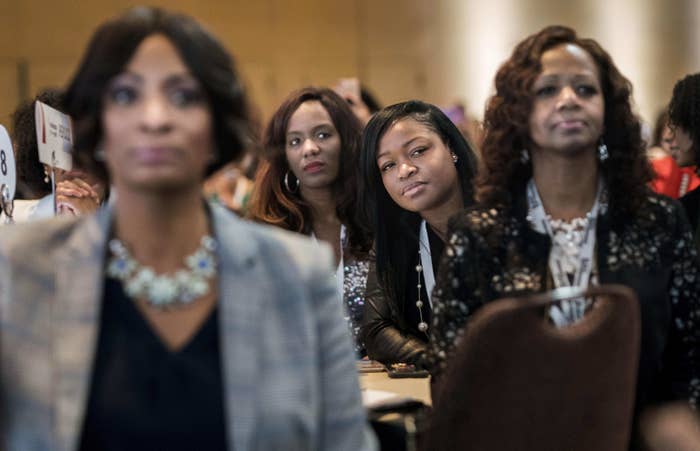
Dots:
{"x": 417, "y": 172}
{"x": 308, "y": 184}
{"x": 563, "y": 201}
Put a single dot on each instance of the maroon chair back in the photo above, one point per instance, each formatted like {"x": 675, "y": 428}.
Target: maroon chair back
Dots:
{"x": 517, "y": 382}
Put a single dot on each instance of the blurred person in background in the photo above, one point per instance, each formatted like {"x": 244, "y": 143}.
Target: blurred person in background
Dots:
{"x": 684, "y": 119}
{"x": 671, "y": 179}
{"x": 77, "y": 191}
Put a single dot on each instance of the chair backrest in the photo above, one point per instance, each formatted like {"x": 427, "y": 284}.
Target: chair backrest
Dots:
{"x": 517, "y": 382}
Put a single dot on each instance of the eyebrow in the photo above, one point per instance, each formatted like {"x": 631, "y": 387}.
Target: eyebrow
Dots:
{"x": 403, "y": 146}
{"x": 554, "y": 77}
{"x": 170, "y": 80}
{"x": 316, "y": 128}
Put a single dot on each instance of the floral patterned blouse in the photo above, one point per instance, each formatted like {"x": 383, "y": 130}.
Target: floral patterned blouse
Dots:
{"x": 492, "y": 254}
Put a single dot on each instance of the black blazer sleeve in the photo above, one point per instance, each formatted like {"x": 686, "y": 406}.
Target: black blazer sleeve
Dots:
{"x": 383, "y": 338}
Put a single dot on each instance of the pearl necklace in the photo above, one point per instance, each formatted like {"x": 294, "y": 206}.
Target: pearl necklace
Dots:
{"x": 424, "y": 259}
{"x": 164, "y": 291}
{"x": 422, "y": 325}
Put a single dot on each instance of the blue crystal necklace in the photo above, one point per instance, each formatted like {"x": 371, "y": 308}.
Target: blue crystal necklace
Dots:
{"x": 164, "y": 291}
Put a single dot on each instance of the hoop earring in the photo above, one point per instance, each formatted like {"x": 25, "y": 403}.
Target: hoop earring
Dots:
{"x": 286, "y": 183}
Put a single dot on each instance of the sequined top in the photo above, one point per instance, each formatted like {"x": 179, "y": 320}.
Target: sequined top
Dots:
{"x": 492, "y": 254}
{"x": 355, "y": 272}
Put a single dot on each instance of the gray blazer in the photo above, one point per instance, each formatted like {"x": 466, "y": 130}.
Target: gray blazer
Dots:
{"x": 290, "y": 381}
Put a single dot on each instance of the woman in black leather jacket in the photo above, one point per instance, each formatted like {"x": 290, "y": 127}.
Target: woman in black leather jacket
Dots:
{"x": 417, "y": 169}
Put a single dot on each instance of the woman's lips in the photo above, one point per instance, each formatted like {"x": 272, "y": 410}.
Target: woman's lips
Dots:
{"x": 571, "y": 124}
{"x": 154, "y": 155}
{"x": 313, "y": 167}
{"x": 413, "y": 189}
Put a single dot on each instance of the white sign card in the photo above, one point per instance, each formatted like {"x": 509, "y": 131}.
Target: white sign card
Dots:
{"x": 54, "y": 137}
{"x": 8, "y": 173}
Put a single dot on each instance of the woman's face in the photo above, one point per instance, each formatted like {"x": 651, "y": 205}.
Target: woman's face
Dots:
{"x": 667, "y": 139}
{"x": 313, "y": 146}
{"x": 568, "y": 109}
{"x": 417, "y": 168}
{"x": 682, "y": 147}
{"x": 157, "y": 126}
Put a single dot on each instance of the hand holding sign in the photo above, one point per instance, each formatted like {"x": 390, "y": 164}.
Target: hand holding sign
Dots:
{"x": 54, "y": 137}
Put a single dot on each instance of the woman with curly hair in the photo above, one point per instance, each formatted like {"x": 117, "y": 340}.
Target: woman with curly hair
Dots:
{"x": 563, "y": 201}
{"x": 684, "y": 119}
{"x": 308, "y": 185}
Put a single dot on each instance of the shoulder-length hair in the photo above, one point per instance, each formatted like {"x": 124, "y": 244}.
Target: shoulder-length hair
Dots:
{"x": 507, "y": 126}
{"x": 272, "y": 203}
{"x": 395, "y": 229}
{"x": 109, "y": 51}
{"x": 684, "y": 110}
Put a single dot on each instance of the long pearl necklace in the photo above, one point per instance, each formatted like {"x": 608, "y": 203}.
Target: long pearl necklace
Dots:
{"x": 164, "y": 291}
{"x": 424, "y": 267}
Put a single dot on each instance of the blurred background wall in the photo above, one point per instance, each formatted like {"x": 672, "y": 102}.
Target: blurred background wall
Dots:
{"x": 436, "y": 50}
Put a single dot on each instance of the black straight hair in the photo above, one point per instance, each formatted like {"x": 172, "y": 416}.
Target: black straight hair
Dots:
{"x": 395, "y": 230}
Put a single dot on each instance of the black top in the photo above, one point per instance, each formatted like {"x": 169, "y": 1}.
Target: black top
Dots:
{"x": 390, "y": 326}
{"x": 145, "y": 397}
{"x": 691, "y": 205}
{"x": 496, "y": 254}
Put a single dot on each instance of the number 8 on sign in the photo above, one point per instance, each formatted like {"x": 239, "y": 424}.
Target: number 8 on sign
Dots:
{"x": 8, "y": 176}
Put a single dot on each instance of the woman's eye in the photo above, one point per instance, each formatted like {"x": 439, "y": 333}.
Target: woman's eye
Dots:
{"x": 323, "y": 135}
{"x": 386, "y": 166}
{"x": 545, "y": 91}
{"x": 185, "y": 97}
{"x": 294, "y": 142}
{"x": 122, "y": 95}
{"x": 418, "y": 151}
{"x": 586, "y": 90}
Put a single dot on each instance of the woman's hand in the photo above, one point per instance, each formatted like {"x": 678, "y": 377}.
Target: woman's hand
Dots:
{"x": 230, "y": 187}
{"x": 75, "y": 197}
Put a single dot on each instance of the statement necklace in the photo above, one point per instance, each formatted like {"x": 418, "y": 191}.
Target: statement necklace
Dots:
{"x": 164, "y": 291}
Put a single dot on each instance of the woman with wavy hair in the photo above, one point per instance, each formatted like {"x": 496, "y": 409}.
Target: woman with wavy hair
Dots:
{"x": 308, "y": 185}
{"x": 563, "y": 201}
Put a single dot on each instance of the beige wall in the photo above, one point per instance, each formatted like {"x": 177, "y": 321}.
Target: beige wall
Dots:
{"x": 438, "y": 50}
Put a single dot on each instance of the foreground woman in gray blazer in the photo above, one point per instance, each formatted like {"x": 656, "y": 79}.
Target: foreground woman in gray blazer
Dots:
{"x": 106, "y": 322}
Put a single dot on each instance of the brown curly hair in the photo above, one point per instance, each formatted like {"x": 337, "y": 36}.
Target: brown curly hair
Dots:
{"x": 506, "y": 122}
